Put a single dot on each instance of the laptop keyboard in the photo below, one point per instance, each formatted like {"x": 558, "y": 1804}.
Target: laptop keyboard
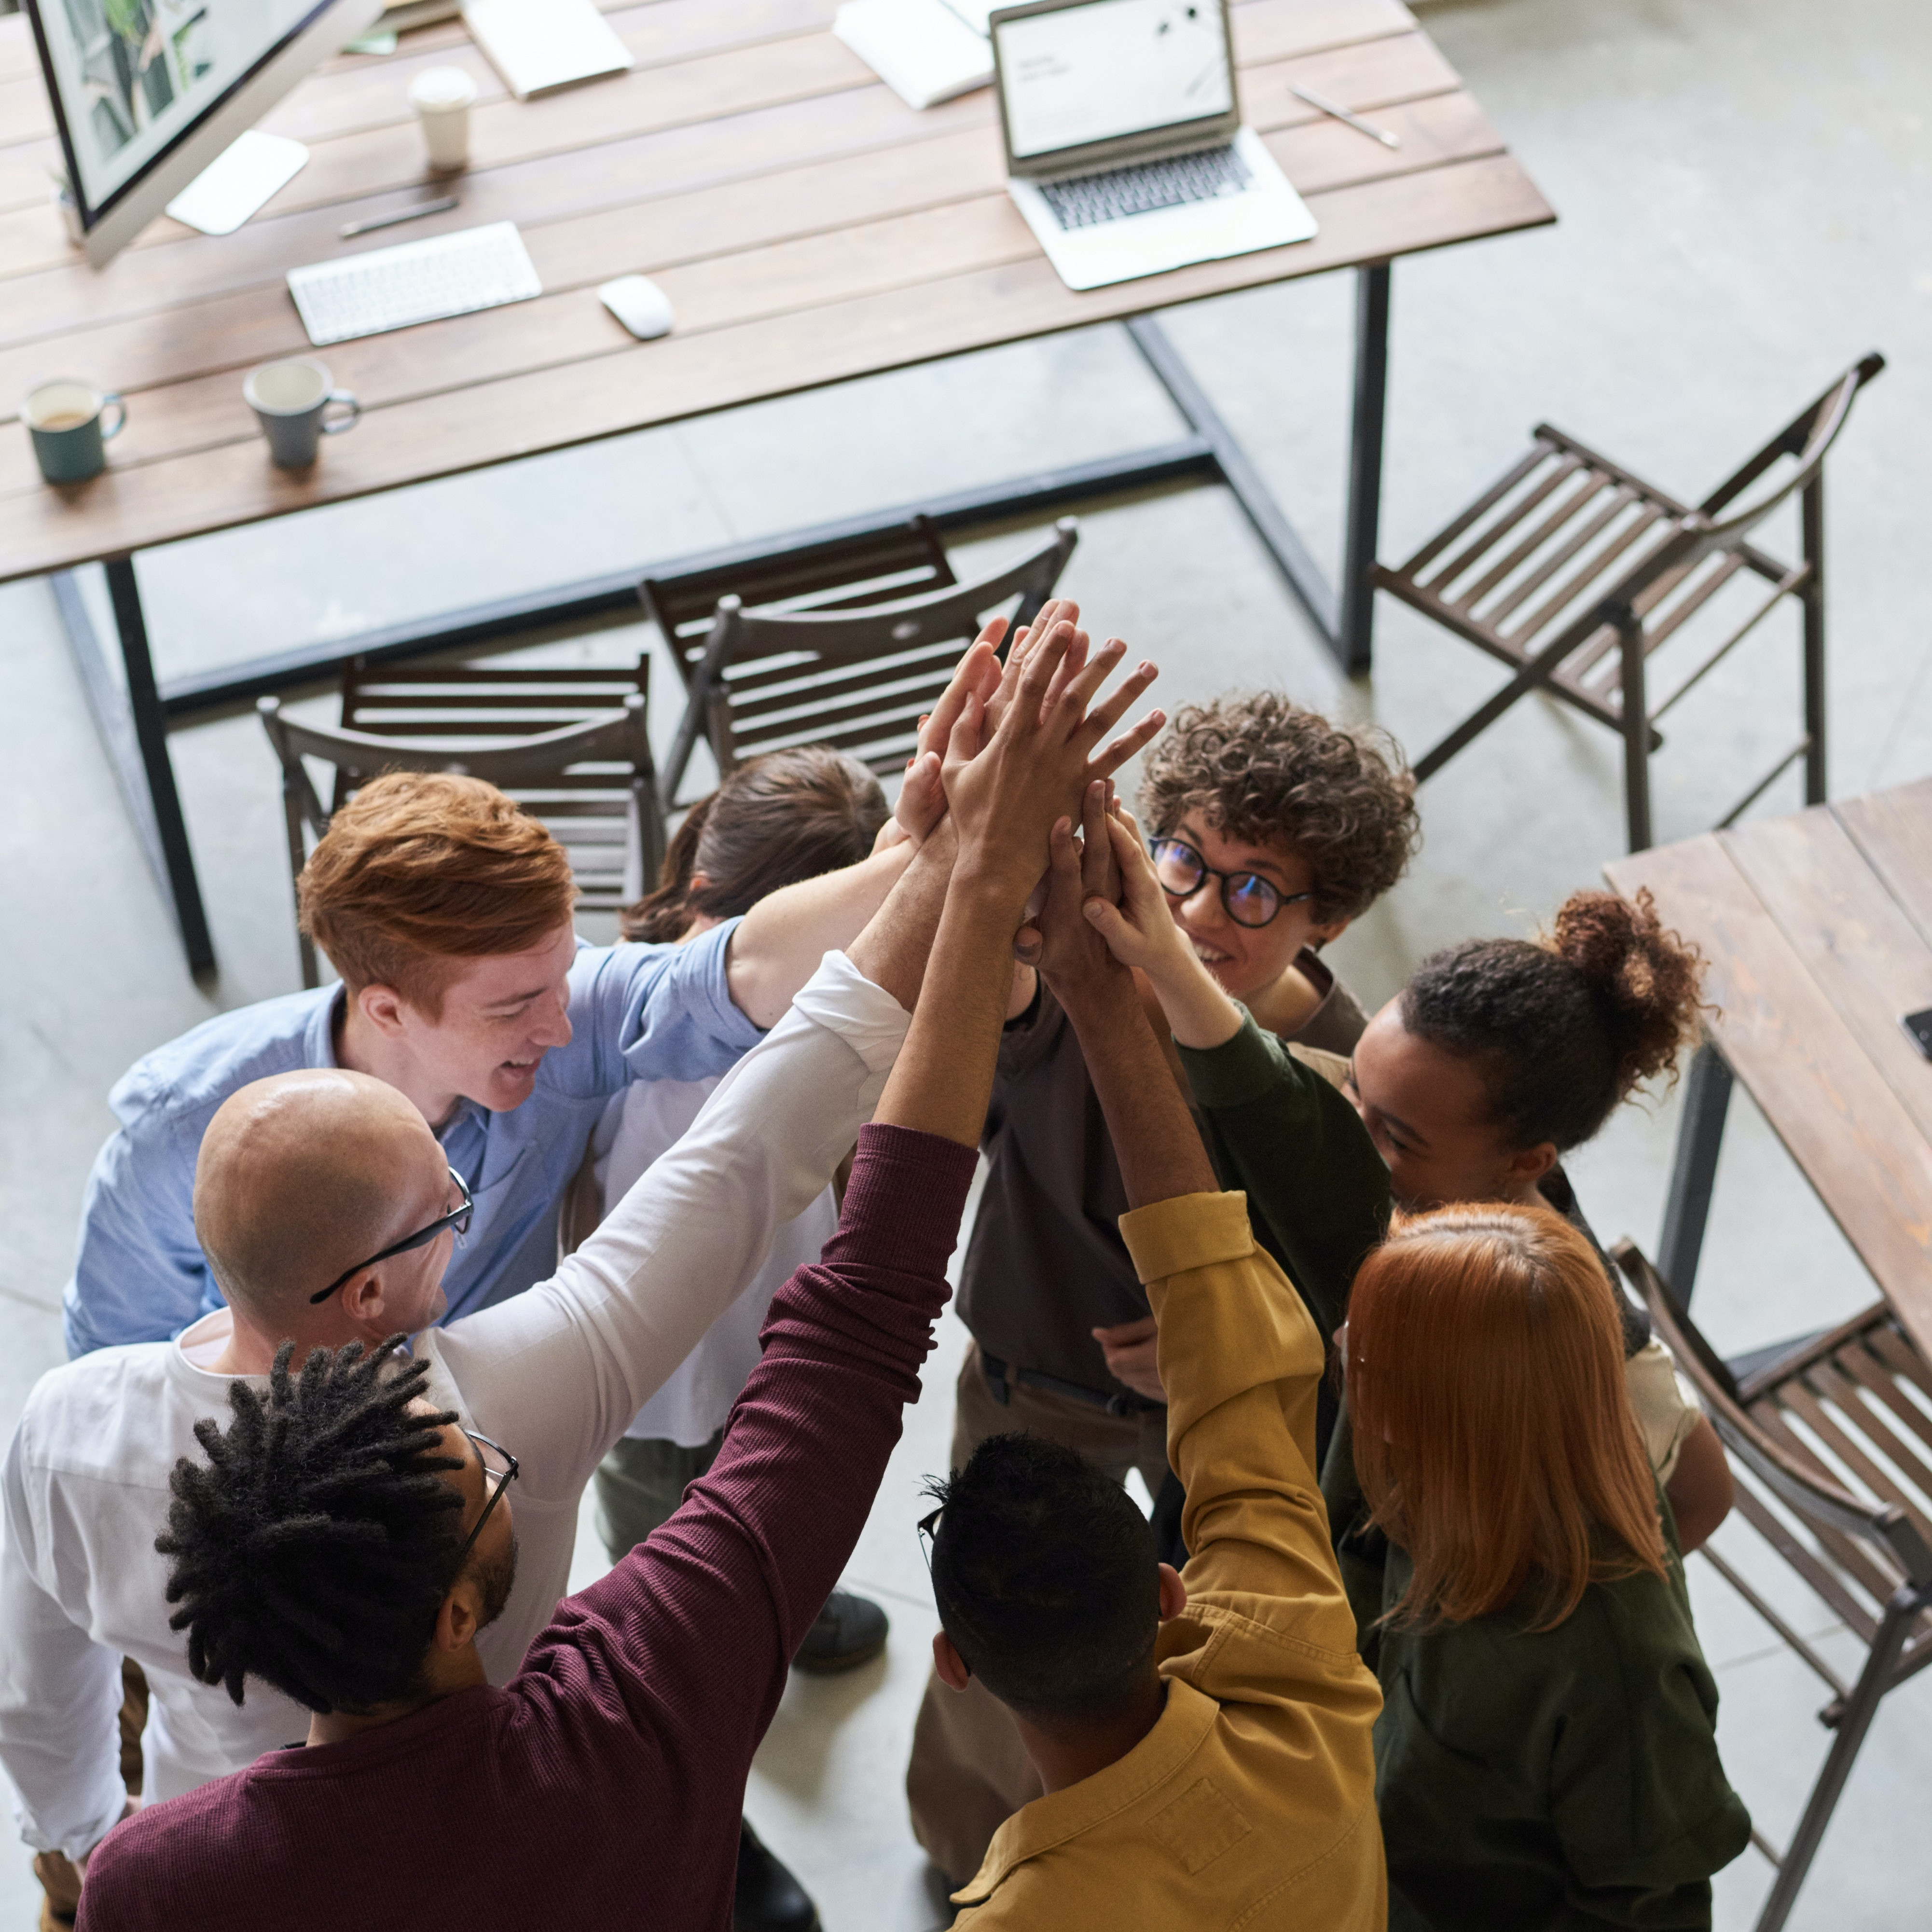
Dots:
{"x": 1087, "y": 200}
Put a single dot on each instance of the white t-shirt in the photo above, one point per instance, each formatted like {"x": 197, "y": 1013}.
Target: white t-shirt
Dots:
{"x": 554, "y": 1374}
{"x": 647, "y": 1119}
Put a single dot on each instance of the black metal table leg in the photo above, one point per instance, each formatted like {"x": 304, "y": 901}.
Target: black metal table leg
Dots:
{"x": 1812, "y": 514}
{"x": 1355, "y": 642}
{"x": 1302, "y": 575}
{"x": 1693, "y": 1172}
{"x": 134, "y": 732}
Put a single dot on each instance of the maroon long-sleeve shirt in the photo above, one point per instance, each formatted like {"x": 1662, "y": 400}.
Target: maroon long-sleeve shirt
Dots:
{"x": 602, "y": 1785}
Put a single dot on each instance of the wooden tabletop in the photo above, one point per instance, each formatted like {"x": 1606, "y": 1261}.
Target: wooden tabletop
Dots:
{"x": 1818, "y": 929}
{"x": 807, "y": 226}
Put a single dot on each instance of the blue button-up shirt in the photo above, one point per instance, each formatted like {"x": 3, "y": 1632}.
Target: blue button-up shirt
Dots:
{"x": 637, "y": 1012}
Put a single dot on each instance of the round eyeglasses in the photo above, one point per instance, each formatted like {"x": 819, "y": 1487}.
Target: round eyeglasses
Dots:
{"x": 1248, "y": 898}
{"x": 457, "y": 1218}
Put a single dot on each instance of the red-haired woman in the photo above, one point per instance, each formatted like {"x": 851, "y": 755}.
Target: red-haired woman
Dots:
{"x": 1546, "y": 1753}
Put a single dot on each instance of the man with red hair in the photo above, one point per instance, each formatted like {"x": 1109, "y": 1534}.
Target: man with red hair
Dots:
{"x": 448, "y": 912}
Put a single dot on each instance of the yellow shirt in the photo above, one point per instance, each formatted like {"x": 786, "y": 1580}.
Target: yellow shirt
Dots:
{"x": 1251, "y": 1803}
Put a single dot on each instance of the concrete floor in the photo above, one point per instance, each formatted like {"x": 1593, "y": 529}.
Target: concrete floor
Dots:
{"x": 1741, "y": 189}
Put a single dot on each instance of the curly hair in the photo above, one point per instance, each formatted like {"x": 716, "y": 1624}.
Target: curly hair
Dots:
{"x": 1264, "y": 769}
{"x": 1567, "y": 1027}
{"x": 776, "y": 820}
{"x": 421, "y": 870}
{"x": 315, "y": 1547}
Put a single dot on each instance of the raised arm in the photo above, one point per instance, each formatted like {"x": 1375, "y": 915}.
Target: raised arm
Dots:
{"x": 1153, "y": 1134}
{"x": 761, "y": 1538}
{"x": 779, "y": 943}
{"x": 1276, "y": 1128}
{"x": 1239, "y": 1353}
{"x": 628, "y": 1307}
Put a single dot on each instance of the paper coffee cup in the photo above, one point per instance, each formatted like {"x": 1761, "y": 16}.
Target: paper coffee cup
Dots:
{"x": 442, "y": 96}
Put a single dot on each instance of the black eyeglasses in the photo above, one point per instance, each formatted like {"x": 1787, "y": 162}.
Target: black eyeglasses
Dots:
{"x": 923, "y": 1529}
{"x": 1249, "y": 899}
{"x": 504, "y": 1469}
{"x": 457, "y": 1218}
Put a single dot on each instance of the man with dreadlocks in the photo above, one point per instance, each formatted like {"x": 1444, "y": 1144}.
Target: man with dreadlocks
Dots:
{"x": 329, "y": 1209}
{"x": 312, "y": 1551}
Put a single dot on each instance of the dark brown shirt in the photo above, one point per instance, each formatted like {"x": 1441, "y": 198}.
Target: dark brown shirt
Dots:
{"x": 1046, "y": 1265}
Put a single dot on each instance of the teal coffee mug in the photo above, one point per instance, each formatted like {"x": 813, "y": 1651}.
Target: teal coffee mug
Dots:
{"x": 71, "y": 423}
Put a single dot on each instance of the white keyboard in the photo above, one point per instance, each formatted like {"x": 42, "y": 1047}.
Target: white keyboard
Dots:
{"x": 417, "y": 281}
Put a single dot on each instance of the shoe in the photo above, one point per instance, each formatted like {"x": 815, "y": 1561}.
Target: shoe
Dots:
{"x": 769, "y": 1899}
{"x": 849, "y": 1631}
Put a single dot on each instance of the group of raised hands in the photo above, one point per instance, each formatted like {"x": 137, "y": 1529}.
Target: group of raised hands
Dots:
{"x": 1011, "y": 761}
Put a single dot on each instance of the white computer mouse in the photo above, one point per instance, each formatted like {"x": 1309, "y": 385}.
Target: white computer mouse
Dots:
{"x": 639, "y": 304}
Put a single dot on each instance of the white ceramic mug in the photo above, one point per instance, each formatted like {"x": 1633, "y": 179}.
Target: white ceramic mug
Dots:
{"x": 289, "y": 399}
{"x": 442, "y": 97}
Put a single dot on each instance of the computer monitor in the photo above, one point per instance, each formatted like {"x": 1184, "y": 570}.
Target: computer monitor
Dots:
{"x": 147, "y": 93}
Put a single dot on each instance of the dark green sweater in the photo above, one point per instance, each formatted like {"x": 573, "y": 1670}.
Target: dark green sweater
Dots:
{"x": 1568, "y": 1779}
{"x": 1318, "y": 1191}
{"x": 1526, "y": 1783}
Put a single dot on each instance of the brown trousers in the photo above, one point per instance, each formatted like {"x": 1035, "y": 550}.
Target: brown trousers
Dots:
{"x": 57, "y": 1874}
{"x": 969, "y": 1771}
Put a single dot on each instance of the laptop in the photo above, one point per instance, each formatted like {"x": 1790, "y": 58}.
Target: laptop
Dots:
{"x": 1125, "y": 149}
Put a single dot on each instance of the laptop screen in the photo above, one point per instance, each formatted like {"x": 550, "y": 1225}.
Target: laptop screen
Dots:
{"x": 1101, "y": 69}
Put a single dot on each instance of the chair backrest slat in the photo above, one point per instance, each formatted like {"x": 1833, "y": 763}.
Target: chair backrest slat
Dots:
{"x": 1648, "y": 522}
{"x": 571, "y": 745}
{"x": 1822, "y": 1574}
{"x": 1836, "y": 1431}
{"x": 1540, "y": 452}
{"x": 909, "y": 553}
{"x": 1880, "y": 1382}
{"x": 1589, "y": 488}
{"x": 769, "y": 677}
{"x": 1495, "y": 532}
{"x": 1765, "y": 1441}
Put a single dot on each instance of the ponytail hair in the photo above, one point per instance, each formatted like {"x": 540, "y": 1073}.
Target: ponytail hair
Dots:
{"x": 1565, "y": 1027}
{"x": 776, "y": 820}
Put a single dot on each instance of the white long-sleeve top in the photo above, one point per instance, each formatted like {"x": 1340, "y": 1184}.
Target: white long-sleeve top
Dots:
{"x": 555, "y": 1374}
{"x": 639, "y": 1126}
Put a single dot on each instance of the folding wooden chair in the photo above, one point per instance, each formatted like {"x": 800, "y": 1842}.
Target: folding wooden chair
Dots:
{"x": 1573, "y": 571}
{"x": 1830, "y": 1440}
{"x": 844, "y": 644}
{"x": 570, "y": 744}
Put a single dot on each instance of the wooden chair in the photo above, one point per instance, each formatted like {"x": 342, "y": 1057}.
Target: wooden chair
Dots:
{"x": 814, "y": 648}
{"x": 1830, "y": 1442}
{"x": 570, "y": 744}
{"x": 1573, "y": 571}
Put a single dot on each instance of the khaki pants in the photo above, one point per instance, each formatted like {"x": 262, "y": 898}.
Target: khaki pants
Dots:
{"x": 969, "y": 1771}
{"x": 58, "y": 1876}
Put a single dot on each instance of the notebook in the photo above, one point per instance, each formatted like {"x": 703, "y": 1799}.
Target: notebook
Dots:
{"x": 922, "y": 50}
{"x": 539, "y": 46}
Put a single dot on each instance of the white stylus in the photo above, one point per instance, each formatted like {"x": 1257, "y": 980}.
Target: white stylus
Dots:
{"x": 1342, "y": 113}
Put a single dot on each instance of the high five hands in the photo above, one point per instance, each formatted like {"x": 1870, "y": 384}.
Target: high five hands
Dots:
{"x": 1017, "y": 762}
{"x": 1040, "y": 698}
{"x": 982, "y": 678}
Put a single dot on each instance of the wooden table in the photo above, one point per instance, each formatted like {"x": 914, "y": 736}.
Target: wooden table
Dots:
{"x": 1818, "y": 929}
{"x": 807, "y": 226}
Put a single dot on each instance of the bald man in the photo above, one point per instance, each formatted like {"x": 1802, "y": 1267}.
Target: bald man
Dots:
{"x": 328, "y": 1213}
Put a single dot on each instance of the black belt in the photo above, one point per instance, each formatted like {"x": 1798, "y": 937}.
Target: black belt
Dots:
{"x": 999, "y": 1375}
